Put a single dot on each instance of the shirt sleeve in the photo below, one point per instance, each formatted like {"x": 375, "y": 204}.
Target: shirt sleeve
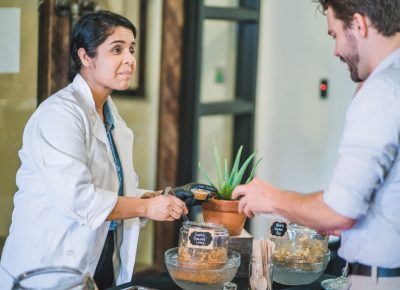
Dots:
{"x": 367, "y": 151}
{"x": 59, "y": 152}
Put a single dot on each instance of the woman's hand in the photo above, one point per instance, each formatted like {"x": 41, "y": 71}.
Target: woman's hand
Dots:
{"x": 165, "y": 208}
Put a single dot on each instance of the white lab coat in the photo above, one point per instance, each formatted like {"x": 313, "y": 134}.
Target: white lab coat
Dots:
{"x": 67, "y": 186}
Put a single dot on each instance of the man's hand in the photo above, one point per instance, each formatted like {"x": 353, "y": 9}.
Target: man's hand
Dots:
{"x": 255, "y": 197}
{"x": 336, "y": 233}
{"x": 187, "y": 193}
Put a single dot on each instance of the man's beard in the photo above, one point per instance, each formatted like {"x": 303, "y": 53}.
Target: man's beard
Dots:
{"x": 353, "y": 58}
{"x": 352, "y": 62}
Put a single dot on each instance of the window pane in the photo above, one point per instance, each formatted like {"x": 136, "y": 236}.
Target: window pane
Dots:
{"x": 222, "y": 3}
{"x": 219, "y": 53}
{"x": 219, "y": 129}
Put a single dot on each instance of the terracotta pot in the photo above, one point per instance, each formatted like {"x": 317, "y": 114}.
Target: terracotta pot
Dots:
{"x": 224, "y": 212}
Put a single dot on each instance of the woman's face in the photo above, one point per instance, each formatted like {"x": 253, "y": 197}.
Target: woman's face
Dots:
{"x": 114, "y": 63}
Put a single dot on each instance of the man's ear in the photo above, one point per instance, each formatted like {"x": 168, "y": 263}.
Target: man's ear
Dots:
{"x": 85, "y": 59}
{"x": 360, "y": 24}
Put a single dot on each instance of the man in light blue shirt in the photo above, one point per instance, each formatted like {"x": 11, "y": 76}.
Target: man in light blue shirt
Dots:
{"x": 363, "y": 199}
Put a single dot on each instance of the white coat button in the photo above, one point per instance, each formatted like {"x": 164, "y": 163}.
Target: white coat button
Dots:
{"x": 70, "y": 253}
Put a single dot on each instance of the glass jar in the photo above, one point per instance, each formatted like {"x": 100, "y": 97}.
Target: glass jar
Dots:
{"x": 203, "y": 245}
{"x": 260, "y": 274}
{"x": 54, "y": 278}
{"x": 230, "y": 286}
{"x": 300, "y": 255}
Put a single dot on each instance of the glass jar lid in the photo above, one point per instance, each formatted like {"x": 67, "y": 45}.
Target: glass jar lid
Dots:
{"x": 219, "y": 229}
{"x": 299, "y": 229}
{"x": 296, "y": 227}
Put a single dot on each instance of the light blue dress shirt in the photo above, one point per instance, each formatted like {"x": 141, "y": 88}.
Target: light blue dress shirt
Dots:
{"x": 109, "y": 125}
{"x": 366, "y": 182}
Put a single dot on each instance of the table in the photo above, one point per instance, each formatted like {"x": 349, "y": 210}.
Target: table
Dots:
{"x": 164, "y": 282}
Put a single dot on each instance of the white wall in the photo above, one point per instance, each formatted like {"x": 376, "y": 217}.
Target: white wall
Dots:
{"x": 297, "y": 133}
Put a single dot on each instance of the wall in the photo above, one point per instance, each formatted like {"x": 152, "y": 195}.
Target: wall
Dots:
{"x": 297, "y": 133}
{"x": 17, "y": 102}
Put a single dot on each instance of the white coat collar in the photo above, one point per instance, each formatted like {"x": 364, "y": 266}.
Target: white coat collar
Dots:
{"x": 80, "y": 85}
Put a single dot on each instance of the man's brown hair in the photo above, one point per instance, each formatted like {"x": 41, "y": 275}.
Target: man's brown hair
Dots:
{"x": 384, "y": 14}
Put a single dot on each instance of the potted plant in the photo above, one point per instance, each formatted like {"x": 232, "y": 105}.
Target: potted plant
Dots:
{"x": 222, "y": 209}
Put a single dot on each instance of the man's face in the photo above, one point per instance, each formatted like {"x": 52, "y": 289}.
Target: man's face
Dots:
{"x": 346, "y": 47}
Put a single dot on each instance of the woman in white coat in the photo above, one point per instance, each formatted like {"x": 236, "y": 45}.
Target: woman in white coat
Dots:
{"x": 78, "y": 202}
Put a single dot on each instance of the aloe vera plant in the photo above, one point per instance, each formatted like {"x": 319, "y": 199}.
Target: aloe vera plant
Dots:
{"x": 228, "y": 180}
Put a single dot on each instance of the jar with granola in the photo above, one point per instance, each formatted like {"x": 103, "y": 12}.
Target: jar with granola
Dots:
{"x": 301, "y": 254}
{"x": 203, "y": 245}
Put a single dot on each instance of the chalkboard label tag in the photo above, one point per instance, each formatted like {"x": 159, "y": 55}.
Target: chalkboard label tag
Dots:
{"x": 278, "y": 229}
{"x": 200, "y": 239}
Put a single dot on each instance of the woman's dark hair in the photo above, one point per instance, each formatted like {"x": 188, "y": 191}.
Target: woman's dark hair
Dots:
{"x": 90, "y": 31}
{"x": 384, "y": 14}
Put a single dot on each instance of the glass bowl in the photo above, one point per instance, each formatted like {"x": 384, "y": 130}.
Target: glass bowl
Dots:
{"x": 54, "y": 278}
{"x": 195, "y": 277}
{"x": 299, "y": 272}
{"x": 300, "y": 255}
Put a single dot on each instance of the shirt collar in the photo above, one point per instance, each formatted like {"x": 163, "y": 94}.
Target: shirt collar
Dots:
{"x": 386, "y": 62}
